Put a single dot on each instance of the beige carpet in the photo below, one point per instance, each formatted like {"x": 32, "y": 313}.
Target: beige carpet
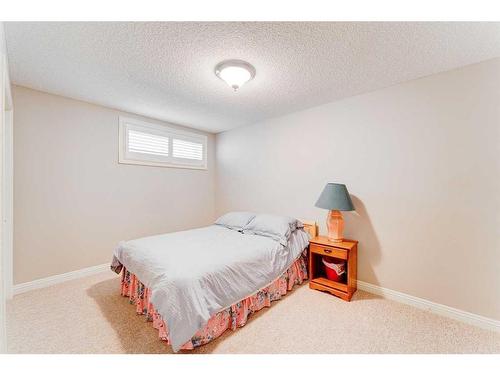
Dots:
{"x": 89, "y": 316}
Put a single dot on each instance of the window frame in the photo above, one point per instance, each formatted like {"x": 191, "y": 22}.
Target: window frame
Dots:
{"x": 137, "y": 158}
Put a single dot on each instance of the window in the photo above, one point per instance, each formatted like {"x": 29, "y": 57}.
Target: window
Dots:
{"x": 159, "y": 145}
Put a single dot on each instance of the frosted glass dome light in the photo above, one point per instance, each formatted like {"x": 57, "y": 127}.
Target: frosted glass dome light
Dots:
{"x": 235, "y": 72}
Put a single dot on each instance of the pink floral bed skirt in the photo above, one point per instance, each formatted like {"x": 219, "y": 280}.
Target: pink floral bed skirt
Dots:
{"x": 231, "y": 318}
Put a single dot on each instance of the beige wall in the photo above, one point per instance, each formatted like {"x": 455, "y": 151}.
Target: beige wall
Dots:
{"x": 73, "y": 202}
{"x": 422, "y": 161}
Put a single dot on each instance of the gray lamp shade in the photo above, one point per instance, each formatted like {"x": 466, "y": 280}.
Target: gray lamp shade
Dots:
{"x": 335, "y": 197}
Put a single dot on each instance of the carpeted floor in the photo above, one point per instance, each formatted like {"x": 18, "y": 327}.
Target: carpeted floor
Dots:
{"x": 89, "y": 316}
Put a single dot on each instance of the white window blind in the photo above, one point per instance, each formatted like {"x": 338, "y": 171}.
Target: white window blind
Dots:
{"x": 187, "y": 150}
{"x": 158, "y": 145}
{"x": 145, "y": 143}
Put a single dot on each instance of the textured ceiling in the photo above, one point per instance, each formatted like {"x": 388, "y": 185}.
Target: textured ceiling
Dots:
{"x": 164, "y": 70}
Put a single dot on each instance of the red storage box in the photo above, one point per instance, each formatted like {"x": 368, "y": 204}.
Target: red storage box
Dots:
{"x": 334, "y": 268}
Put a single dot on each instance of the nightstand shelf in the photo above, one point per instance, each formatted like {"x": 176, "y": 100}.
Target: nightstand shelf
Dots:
{"x": 330, "y": 283}
{"x": 347, "y": 250}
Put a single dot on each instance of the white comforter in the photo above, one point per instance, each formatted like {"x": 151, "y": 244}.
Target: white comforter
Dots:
{"x": 196, "y": 273}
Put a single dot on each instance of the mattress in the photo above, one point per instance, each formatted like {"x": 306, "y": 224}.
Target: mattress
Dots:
{"x": 231, "y": 318}
{"x": 195, "y": 274}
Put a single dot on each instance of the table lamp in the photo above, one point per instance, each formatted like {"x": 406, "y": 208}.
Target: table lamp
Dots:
{"x": 335, "y": 198}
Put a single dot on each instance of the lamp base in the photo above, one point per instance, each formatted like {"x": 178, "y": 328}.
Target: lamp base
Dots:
{"x": 335, "y": 225}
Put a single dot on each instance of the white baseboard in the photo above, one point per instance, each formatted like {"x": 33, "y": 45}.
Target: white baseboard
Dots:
{"x": 450, "y": 312}
{"x": 56, "y": 279}
{"x": 447, "y": 311}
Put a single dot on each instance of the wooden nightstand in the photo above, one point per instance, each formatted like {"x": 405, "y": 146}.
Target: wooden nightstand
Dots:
{"x": 348, "y": 250}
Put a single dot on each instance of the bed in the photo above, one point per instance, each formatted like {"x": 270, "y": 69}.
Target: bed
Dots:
{"x": 194, "y": 285}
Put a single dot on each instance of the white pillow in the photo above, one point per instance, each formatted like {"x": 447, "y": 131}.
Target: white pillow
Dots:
{"x": 277, "y": 227}
{"x": 235, "y": 220}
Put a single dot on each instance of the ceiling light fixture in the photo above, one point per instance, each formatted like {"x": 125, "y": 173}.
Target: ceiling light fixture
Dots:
{"x": 235, "y": 72}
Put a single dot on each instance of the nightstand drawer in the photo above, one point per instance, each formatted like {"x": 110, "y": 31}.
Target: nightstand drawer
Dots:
{"x": 328, "y": 251}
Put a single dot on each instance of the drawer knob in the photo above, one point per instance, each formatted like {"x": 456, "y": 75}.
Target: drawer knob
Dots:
{"x": 327, "y": 251}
